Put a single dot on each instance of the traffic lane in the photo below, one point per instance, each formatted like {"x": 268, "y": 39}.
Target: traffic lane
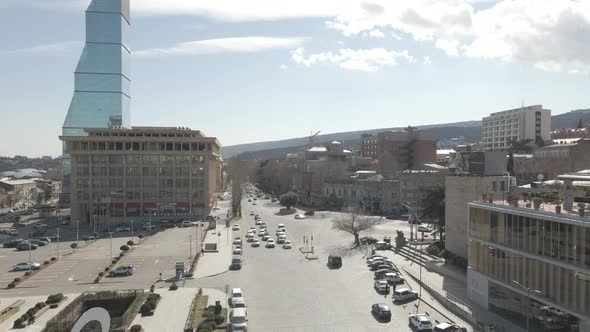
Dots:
{"x": 311, "y": 296}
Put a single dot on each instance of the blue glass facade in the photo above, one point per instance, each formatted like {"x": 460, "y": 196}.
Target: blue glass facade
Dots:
{"x": 102, "y": 78}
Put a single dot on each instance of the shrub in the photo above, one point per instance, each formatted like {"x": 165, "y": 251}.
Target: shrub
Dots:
{"x": 121, "y": 254}
{"x": 208, "y": 324}
{"x": 18, "y": 323}
{"x": 152, "y": 288}
{"x": 100, "y": 274}
{"x": 53, "y": 258}
{"x": 203, "y": 329}
{"x": 74, "y": 245}
{"x": 55, "y": 298}
{"x": 107, "y": 269}
{"x": 53, "y": 306}
{"x": 114, "y": 261}
{"x": 124, "y": 248}
{"x": 173, "y": 286}
{"x": 141, "y": 236}
{"x": 25, "y": 317}
{"x": 135, "y": 328}
{"x": 130, "y": 243}
{"x": 45, "y": 262}
{"x": 153, "y": 297}
{"x": 217, "y": 309}
{"x": 219, "y": 319}
{"x": 16, "y": 280}
{"x": 145, "y": 308}
{"x": 39, "y": 305}
{"x": 28, "y": 273}
{"x": 96, "y": 280}
{"x": 11, "y": 285}
{"x": 208, "y": 314}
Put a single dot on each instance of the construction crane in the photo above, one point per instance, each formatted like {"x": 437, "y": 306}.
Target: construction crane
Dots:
{"x": 312, "y": 136}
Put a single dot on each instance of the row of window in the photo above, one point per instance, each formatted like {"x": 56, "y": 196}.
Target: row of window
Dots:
{"x": 146, "y": 196}
{"x": 137, "y": 159}
{"x": 138, "y": 146}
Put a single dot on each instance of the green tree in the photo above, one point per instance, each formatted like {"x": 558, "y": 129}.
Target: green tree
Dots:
{"x": 432, "y": 206}
{"x": 289, "y": 199}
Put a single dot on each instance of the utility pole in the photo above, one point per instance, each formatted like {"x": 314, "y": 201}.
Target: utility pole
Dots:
{"x": 57, "y": 245}
{"x": 131, "y": 229}
{"x": 111, "y": 233}
{"x": 77, "y": 231}
{"x": 94, "y": 226}
{"x": 190, "y": 246}
{"x": 30, "y": 254}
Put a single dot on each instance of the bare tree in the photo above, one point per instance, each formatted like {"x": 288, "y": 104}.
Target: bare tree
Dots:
{"x": 354, "y": 222}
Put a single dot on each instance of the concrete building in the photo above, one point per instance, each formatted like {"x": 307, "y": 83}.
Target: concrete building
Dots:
{"x": 143, "y": 171}
{"x": 572, "y": 155}
{"x": 500, "y": 129}
{"x": 530, "y": 265}
{"x": 102, "y": 78}
{"x": 400, "y": 150}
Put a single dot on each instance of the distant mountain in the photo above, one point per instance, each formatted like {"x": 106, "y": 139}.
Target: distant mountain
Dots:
{"x": 351, "y": 139}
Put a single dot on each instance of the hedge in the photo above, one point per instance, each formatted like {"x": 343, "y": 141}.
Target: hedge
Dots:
{"x": 219, "y": 319}
{"x": 135, "y": 328}
{"x": 130, "y": 243}
{"x": 55, "y": 298}
{"x": 124, "y": 247}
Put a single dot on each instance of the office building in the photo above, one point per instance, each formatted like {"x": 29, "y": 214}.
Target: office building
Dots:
{"x": 500, "y": 129}
{"x": 101, "y": 96}
{"x": 531, "y": 264}
{"x": 143, "y": 172}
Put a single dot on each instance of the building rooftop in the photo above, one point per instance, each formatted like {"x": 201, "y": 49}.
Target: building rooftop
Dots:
{"x": 318, "y": 149}
{"x": 546, "y": 209}
{"x": 17, "y": 182}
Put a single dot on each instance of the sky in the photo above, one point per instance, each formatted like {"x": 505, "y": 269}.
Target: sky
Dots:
{"x": 257, "y": 70}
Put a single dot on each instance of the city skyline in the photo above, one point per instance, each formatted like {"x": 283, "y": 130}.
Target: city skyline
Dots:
{"x": 320, "y": 65}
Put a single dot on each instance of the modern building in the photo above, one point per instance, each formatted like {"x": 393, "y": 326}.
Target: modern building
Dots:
{"x": 142, "y": 172}
{"x": 501, "y": 129}
{"x": 400, "y": 150}
{"x": 102, "y": 80}
{"x": 530, "y": 265}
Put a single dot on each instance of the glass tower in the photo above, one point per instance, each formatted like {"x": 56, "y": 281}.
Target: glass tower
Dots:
{"x": 101, "y": 81}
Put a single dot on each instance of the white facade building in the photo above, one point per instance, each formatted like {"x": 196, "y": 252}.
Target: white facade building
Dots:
{"x": 500, "y": 129}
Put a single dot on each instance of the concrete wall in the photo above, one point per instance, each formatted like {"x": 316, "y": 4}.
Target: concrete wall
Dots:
{"x": 477, "y": 288}
{"x": 459, "y": 191}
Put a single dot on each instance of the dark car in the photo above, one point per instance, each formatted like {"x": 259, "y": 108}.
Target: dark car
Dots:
{"x": 387, "y": 239}
{"x": 334, "y": 262}
{"x": 381, "y": 311}
{"x": 26, "y": 246}
{"x": 309, "y": 213}
{"x": 39, "y": 243}
{"x": 368, "y": 240}
{"x": 13, "y": 243}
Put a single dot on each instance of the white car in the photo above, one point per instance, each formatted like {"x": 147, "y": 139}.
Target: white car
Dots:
{"x": 404, "y": 294}
{"x": 254, "y": 203}
{"x": 237, "y": 241}
{"x": 186, "y": 223}
{"x": 424, "y": 228}
{"x": 236, "y": 227}
{"x": 266, "y": 238}
{"x": 236, "y": 293}
{"x": 258, "y": 222}
{"x": 393, "y": 278}
{"x": 280, "y": 233}
{"x": 270, "y": 243}
{"x": 26, "y": 266}
{"x": 299, "y": 216}
{"x": 256, "y": 243}
{"x": 287, "y": 245}
{"x": 281, "y": 226}
{"x": 420, "y": 322}
{"x": 122, "y": 229}
{"x": 381, "y": 286}
{"x": 237, "y": 251}
{"x": 252, "y": 213}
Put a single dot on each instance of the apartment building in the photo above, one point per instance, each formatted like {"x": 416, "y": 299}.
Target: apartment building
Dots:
{"x": 500, "y": 129}
{"x": 531, "y": 265}
{"x": 143, "y": 171}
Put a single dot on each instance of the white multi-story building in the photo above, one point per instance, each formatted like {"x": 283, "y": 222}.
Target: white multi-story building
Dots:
{"x": 500, "y": 129}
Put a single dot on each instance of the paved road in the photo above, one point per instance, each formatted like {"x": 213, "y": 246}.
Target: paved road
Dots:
{"x": 286, "y": 292}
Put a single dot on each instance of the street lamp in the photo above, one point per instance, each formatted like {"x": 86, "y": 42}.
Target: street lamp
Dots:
{"x": 57, "y": 245}
{"x": 77, "y": 231}
{"x": 528, "y": 299}
{"x": 111, "y": 245}
{"x": 132, "y": 230}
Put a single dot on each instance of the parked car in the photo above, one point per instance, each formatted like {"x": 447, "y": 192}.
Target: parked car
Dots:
{"x": 252, "y": 213}
{"x": 287, "y": 245}
{"x": 236, "y": 263}
{"x": 13, "y": 232}
{"x": 89, "y": 237}
{"x": 238, "y": 319}
{"x": 404, "y": 294}
{"x": 256, "y": 243}
{"x": 389, "y": 267}
{"x": 381, "y": 286}
{"x": 26, "y": 266}
{"x": 26, "y": 246}
{"x": 237, "y": 241}
{"x": 374, "y": 256}
{"x": 382, "y": 245}
{"x": 4, "y": 231}
{"x": 449, "y": 327}
{"x": 299, "y": 216}
{"x": 381, "y": 311}
{"x": 39, "y": 243}
{"x": 123, "y": 270}
{"x": 394, "y": 278}
{"x": 309, "y": 213}
{"x": 258, "y": 222}
{"x": 424, "y": 228}
{"x": 237, "y": 251}
{"x": 387, "y": 239}
{"x": 236, "y": 293}
{"x": 281, "y": 239}
{"x": 420, "y": 322}
{"x": 334, "y": 262}
{"x": 368, "y": 240}
{"x": 235, "y": 227}
{"x": 186, "y": 223}
{"x": 121, "y": 229}
{"x": 148, "y": 226}
{"x": 266, "y": 238}
{"x": 270, "y": 243}
{"x": 44, "y": 239}
{"x": 273, "y": 200}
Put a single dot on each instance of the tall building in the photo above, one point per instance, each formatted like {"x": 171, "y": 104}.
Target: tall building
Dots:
{"x": 500, "y": 129}
{"x": 102, "y": 78}
{"x": 408, "y": 149}
{"x": 531, "y": 265}
{"x": 142, "y": 172}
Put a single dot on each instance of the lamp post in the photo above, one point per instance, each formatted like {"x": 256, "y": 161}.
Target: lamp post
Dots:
{"x": 77, "y": 231}
{"x": 131, "y": 229}
{"x": 111, "y": 245}
{"x": 528, "y": 299}
{"x": 57, "y": 245}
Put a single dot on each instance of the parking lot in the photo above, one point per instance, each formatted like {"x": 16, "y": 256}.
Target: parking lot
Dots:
{"x": 285, "y": 291}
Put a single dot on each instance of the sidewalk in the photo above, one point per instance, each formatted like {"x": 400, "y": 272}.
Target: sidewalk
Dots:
{"x": 171, "y": 313}
{"x": 214, "y": 263}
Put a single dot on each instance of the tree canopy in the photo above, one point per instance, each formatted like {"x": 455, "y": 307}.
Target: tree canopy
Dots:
{"x": 354, "y": 222}
{"x": 289, "y": 199}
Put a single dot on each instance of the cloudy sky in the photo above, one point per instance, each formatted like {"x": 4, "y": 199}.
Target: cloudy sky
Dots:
{"x": 254, "y": 70}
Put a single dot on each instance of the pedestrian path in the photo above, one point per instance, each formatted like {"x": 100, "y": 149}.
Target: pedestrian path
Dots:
{"x": 214, "y": 263}
{"x": 171, "y": 313}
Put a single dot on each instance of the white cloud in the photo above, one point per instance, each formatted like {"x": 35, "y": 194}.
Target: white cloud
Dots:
{"x": 284, "y": 67}
{"x": 426, "y": 60}
{"x": 54, "y": 48}
{"x": 225, "y": 45}
{"x": 376, "y": 33}
{"x": 396, "y": 36}
{"x": 368, "y": 60}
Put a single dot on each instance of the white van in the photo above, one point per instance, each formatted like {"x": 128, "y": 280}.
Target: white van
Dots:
{"x": 238, "y": 319}
{"x": 404, "y": 294}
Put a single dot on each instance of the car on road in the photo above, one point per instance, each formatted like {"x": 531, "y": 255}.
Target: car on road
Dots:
{"x": 381, "y": 311}
{"x": 90, "y": 237}
{"x": 258, "y": 222}
{"x": 448, "y": 327}
{"x": 65, "y": 222}
{"x": 334, "y": 262}
{"x": 420, "y": 322}
{"x": 266, "y": 237}
{"x": 381, "y": 286}
{"x": 393, "y": 278}
{"x": 39, "y": 225}
{"x": 13, "y": 243}
{"x": 368, "y": 240}
{"x": 123, "y": 270}
{"x": 287, "y": 245}
{"x": 270, "y": 243}
{"x": 13, "y": 232}
{"x": 186, "y": 223}
{"x": 236, "y": 293}
{"x": 238, "y": 320}
{"x": 299, "y": 216}
{"x": 26, "y": 266}
{"x": 382, "y": 245}
{"x": 237, "y": 241}
{"x": 122, "y": 229}
{"x": 235, "y": 227}
{"x": 404, "y": 294}
{"x": 148, "y": 226}
{"x": 252, "y": 213}
{"x": 237, "y": 251}
{"x": 256, "y": 243}
{"x": 281, "y": 239}
{"x": 44, "y": 239}
{"x": 424, "y": 228}
{"x": 26, "y": 246}
{"x": 273, "y": 200}
{"x": 39, "y": 243}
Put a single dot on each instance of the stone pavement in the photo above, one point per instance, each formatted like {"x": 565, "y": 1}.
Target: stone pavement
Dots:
{"x": 214, "y": 263}
{"x": 30, "y": 301}
{"x": 171, "y": 313}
